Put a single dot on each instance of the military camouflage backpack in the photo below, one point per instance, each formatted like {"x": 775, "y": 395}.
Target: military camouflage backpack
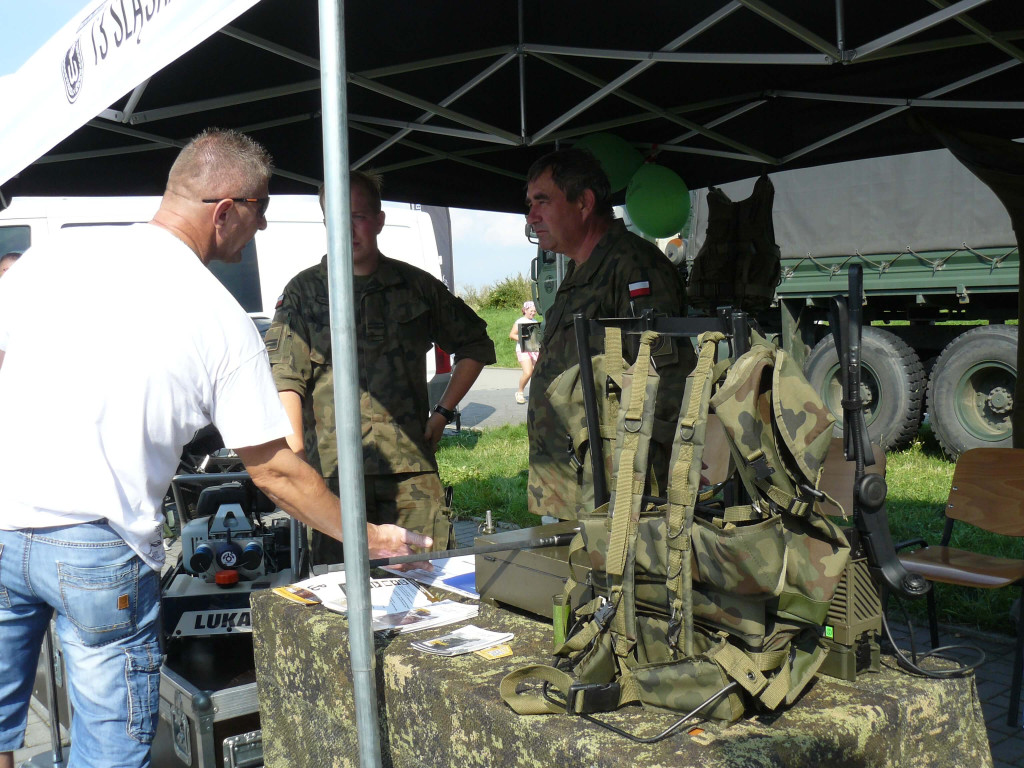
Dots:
{"x": 705, "y": 602}
{"x": 739, "y": 264}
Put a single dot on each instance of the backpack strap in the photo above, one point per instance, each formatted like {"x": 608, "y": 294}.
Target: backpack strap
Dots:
{"x": 684, "y": 484}
{"x": 632, "y": 460}
{"x": 634, "y": 428}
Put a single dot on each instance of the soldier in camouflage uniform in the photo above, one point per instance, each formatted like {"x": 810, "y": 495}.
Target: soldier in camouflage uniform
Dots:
{"x": 613, "y": 273}
{"x": 400, "y": 310}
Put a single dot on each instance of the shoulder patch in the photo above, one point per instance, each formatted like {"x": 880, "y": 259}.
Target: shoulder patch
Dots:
{"x": 280, "y": 301}
{"x": 272, "y": 338}
{"x": 640, "y": 288}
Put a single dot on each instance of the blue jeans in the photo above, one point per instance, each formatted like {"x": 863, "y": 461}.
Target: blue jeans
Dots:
{"x": 107, "y": 603}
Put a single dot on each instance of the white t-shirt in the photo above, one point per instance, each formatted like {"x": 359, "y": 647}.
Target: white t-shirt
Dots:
{"x": 119, "y": 344}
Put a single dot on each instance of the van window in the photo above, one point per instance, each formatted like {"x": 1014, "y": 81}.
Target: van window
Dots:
{"x": 15, "y": 239}
{"x": 242, "y": 279}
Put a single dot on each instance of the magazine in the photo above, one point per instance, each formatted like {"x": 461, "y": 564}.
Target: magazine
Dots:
{"x": 453, "y": 574}
{"x": 397, "y": 604}
{"x": 463, "y": 640}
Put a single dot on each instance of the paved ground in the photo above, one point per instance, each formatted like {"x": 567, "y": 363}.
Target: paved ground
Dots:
{"x": 491, "y": 401}
{"x": 489, "y": 404}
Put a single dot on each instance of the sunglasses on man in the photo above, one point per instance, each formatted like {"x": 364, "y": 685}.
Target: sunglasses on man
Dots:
{"x": 263, "y": 202}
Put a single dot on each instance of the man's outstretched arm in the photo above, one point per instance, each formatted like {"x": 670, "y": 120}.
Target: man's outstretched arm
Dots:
{"x": 296, "y": 488}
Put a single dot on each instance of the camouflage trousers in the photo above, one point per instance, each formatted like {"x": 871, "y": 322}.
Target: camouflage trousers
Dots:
{"x": 413, "y": 500}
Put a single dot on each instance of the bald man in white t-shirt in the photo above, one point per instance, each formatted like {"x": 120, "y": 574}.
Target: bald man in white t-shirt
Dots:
{"x": 104, "y": 410}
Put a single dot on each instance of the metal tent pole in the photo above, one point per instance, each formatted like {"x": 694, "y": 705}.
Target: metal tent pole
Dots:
{"x": 346, "y": 385}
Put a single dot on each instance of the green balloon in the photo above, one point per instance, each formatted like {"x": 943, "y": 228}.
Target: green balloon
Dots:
{"x": 657, "y": 201}
{"x": 618, "y": 158}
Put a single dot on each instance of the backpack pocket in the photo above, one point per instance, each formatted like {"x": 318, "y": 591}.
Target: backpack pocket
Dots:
{"x": 747, "y": 560}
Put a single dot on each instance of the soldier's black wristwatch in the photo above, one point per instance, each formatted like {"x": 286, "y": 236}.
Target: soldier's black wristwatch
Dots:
{"x": 449, "y": 416}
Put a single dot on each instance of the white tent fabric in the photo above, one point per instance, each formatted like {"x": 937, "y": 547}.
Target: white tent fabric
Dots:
{"x": 107, "y": 50}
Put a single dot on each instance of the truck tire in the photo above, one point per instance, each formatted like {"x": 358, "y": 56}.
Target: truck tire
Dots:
{"x": 970, "y": 392}
{"x": 892, "y": 386}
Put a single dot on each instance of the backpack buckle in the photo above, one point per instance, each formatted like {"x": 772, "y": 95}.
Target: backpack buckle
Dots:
{"x": 806, "y": 500}
{"x": 760, "y": 466}
{"x": 571, "y": 450}
{"x": 588, "y": 698}
{"x": 603, "y": 615}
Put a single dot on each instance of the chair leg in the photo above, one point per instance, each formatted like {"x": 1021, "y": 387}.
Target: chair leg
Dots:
{"x": 933, "y": 618}
{"x": 1013, "y": 718}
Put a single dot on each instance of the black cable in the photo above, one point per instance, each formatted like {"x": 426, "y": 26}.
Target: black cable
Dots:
{"x": 911, "y": 664}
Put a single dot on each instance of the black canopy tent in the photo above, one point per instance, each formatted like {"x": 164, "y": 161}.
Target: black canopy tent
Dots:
{"x": 454, "y": 99}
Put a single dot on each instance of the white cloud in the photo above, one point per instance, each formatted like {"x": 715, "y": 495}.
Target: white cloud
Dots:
{"x": 500, "y": 229}
{"x": 489, "y": 247}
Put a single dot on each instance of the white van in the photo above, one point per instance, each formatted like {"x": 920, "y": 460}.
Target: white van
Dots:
{"x": 295, "y": 238}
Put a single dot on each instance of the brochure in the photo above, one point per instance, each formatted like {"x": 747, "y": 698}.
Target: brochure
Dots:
{"x": 427, "y": 617}
{"x": 454, "y": 574}
{"x": 397, "y": 604}
{"x": 463, "y": 640}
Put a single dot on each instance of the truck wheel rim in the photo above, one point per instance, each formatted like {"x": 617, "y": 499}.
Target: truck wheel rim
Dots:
{"x": 983, "y": 400}
{"x": 832, "y": 393}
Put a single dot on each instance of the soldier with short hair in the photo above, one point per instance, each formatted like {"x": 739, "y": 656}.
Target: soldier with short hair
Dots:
{"x": 400, "y": 310}
{"x": 612, "y": 273}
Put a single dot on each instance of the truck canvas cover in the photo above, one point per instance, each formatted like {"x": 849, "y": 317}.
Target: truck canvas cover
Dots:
{"x": 923, "y": 201}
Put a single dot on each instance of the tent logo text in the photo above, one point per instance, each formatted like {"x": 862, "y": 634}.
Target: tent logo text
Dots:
{"x": 74, "y": 71}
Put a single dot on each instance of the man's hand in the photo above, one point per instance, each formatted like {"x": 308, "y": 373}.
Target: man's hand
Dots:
{"x": 435, "y": 430}
{"x": 392, "y": 541}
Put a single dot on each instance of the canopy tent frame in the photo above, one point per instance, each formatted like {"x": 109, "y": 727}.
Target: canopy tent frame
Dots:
{"x": 443, "y": 118}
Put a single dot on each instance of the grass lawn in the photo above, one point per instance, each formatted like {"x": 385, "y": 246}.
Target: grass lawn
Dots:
{"x": 499, "y": 323}
{"x": 489, "y": 471}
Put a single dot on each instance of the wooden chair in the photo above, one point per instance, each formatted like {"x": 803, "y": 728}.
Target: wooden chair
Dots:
{"x": 988, "y": 493}
{"x": 837, "y": 478}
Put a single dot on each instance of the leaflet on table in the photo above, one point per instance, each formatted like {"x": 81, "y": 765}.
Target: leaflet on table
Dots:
{"x": 397, "y": 604}
{"x": 434, "y": 615}
{"x": 386, "y": 595}
{"x": 463, "y": 640}
{"x": 454, "y": 574}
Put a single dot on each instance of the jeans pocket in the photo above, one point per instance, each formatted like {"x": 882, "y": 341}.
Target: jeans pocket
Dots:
{"x": 143, "y": 672}
{"x": 101, "y": 602}
{"x": 5, "y": 600}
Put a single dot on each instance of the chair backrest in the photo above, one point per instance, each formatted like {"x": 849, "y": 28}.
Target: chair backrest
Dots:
{"x": 988, "y": 490}
{"x": 837, "y": 476}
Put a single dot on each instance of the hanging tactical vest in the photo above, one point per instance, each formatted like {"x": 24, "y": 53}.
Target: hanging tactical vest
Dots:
{"x": 697, "y": 600}
{"x": 739, "y": 264}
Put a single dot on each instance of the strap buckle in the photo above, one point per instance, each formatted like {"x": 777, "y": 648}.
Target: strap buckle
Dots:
{"x": 588, "y": 698}
{"x": 570, "y": 449}
{"x": 760, "y": 466}
{"x": 603, "y": 615}
{"x": 805, "y": 500}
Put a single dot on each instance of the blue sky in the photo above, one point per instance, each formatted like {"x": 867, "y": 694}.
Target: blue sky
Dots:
{"x": 487, "y": 246}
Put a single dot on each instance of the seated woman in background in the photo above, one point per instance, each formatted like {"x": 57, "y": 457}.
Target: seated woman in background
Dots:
{"x": 527, "y": 359}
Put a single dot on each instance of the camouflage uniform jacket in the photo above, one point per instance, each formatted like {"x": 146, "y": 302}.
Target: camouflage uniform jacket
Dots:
{"x": 400, "y": 310}
{"x": 600, "y": 287}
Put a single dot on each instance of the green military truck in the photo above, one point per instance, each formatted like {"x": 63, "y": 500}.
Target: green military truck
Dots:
{"x": 940, "y": 290}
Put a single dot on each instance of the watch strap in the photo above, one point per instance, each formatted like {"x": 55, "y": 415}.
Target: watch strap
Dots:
{"x": 449, "y": 416}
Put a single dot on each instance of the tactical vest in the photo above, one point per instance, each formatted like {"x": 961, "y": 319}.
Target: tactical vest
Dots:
{"x": 702, "y": 604}
{"x": 739, "y": 264}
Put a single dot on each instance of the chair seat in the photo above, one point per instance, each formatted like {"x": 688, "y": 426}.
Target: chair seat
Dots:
{"x": 968, "y": 569}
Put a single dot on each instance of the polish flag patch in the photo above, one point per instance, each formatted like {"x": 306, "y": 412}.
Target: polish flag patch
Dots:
{"x": 280, "y": 301}
{"x": 640, "y": 288}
